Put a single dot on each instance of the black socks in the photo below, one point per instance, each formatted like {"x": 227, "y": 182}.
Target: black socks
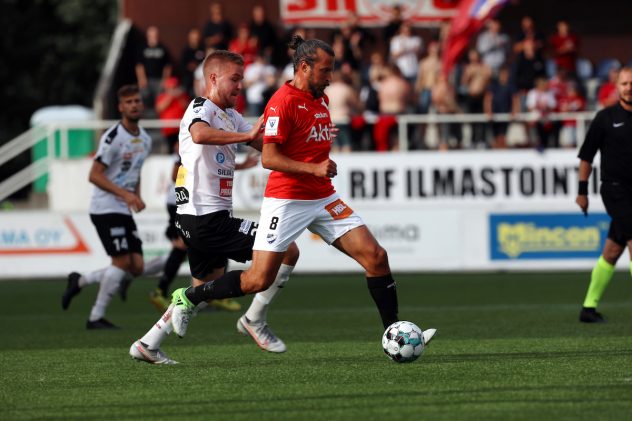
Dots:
{"x": 226, "y": 286}
{"x": 175, "y": 259}
{"x": 384, "y": 293}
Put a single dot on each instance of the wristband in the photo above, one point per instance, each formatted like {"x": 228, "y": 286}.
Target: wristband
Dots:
{"x": 582, "y": 189}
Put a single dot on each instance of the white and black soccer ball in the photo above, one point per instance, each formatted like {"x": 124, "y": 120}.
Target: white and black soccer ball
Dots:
{"x": 403, "y": 342}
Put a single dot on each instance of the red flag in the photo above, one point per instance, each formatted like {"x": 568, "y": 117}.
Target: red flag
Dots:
{"x": 469, "y": 19}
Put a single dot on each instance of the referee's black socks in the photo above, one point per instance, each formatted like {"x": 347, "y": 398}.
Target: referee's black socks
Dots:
{"x": 384, "y": 293}
{"x": 226, "y": 286}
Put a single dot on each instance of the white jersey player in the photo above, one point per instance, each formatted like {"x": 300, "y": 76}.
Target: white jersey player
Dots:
{"x": 115, "y": 174}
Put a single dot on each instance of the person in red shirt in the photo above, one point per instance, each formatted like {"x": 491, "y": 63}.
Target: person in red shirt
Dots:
{"x": 171, "y": 105}
{"x": 564, "y": 46}
{"x": 299, "y": 194}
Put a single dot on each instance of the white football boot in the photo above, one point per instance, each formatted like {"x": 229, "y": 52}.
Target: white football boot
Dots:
{"x": 140, "y": 352}
{"x": 261, "y": 333}
{"x": 428, "y": 334}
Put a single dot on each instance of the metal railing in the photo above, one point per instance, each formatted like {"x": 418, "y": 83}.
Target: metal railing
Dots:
{"x": 47, "y": 133}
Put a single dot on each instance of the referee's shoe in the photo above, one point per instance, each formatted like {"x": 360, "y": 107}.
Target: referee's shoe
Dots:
{"x": 590, "y": 315}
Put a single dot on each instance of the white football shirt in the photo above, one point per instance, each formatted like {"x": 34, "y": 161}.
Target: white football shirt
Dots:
{"x": 205, "y": 179}
{"x": 123, "y": 154}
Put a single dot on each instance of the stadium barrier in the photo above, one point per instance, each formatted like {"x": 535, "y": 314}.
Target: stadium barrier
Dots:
{"x": 432, "y": 211}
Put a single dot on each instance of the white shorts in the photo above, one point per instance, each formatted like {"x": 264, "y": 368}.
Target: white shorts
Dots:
{"x": 284, "y": 220}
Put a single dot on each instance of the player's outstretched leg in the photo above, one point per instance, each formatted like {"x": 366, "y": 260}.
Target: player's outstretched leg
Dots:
{"x": 72, "y": 289}
{"x": 254, "y": 321}
{"x": 139, "y": 352}
{"x": 147, "y": 348}
{"x": 599, "y": 280}
{"x": 108, "y": 286}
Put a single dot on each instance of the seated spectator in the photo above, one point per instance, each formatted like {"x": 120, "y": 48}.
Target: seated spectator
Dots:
{"x": 171, "y": 105}
{"x": 191, "y": 57}
{"x": 607, "y": 94}
{"x": 572, "y": 101}
{"x": 344, "y": 105}
{"x": 501, "y": 98}
{"x": 541, "y": 102}
{"x": 493, "y": 46}
{"x": 564, "y": 47}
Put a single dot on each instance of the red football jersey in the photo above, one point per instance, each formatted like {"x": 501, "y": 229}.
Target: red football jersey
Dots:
{"x": 301, "y": 124}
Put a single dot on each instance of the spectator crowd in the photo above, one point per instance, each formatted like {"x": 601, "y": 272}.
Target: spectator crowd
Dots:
{"x": 385, "y": 72}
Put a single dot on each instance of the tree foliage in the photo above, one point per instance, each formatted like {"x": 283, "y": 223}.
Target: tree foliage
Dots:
{"x": 52, "y": 54}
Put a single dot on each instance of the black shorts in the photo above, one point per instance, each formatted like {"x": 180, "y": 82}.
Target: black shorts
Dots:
{"x": 215, "y": 237}
{"x": 618, "y": 202}
{"x": 172, "y": 232}
{"x": 118, "y": 233}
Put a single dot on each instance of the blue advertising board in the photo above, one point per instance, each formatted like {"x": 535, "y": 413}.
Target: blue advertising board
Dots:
{"x": 547, "y": 235}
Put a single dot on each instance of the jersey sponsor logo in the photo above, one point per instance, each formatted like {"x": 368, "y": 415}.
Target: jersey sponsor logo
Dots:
{"x": 181, "y": 177}
{"x": 339, "y": 209}
{"x": 117, "y": 231}
{"x": 321, "y": 115}
{"x": 272, "y": 126}
{"x": 220, "y": 157}
{"x": 182, "y": 196}
{"x": 125, "y": 166}
{"x": 303, "y": 107}
{"x": 224, "y": 172}
{"x": 271, "y": 238}
{"x": 319, "y": 133}
{"x": 615, "y": 125}
{"x": 226, "y": 187}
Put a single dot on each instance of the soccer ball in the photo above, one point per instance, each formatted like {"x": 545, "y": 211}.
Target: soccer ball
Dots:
{"x": 403, "y": 342}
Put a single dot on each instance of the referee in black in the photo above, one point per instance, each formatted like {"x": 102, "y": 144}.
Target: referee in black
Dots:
{"x": 611, "y": 134}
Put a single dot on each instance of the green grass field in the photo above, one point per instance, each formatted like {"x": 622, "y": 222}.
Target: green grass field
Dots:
{"x": 509, "y": 346}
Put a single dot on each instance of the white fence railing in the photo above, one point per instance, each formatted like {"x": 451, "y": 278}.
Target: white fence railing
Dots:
{"x": 48, "y": 133}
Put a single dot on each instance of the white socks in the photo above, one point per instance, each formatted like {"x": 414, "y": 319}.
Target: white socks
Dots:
{"x": 159, "y": 331}
{"x": 258, "y": 309}
{"x": 92, "y": 277}
{"x": 155, "y": 265}
{"x": 110, "y": 281}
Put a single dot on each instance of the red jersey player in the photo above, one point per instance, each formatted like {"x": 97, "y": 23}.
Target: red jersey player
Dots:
{"x": 299, "y": 194}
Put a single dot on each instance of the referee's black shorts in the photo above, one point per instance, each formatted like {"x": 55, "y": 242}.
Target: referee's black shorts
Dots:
{"x": 617, "y": 199}
{"x": 215, "y": 237}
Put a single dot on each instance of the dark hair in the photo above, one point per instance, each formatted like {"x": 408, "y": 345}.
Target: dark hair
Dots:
{"x": 127, "y": 90}
{"x": 306, "y": 50}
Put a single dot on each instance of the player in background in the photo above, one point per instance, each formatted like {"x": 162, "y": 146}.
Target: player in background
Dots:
{"x": 610, "y": 133}
{"x": 209, "y": 134}
{"x": 299, "y": 195}
{"x": 115, "y": 174}
{"x": 159, "y": 297}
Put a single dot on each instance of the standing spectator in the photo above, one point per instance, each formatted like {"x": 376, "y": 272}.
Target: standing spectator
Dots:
{"x": 444, "y": 101}
{"x": 153, "y": 67}
{"x": 571, "y": 102}
{"x": 394, "y": 96}
{"x": 264, "y": 32}
{"x": 376, "y": 73}
{"x": 192, "y": 55}
{"x": 526, "y": 69}
{"x": 344, "y": 104}
{"x": 217, "y": 31}
{"x": 392, "y": 27}
{"x": 259, "y": 80}
{"x": 501, "y": 98}
{"x": 493, "y": 46}
{"x": 359, "y": 39}
{"x": 475, "y": 79}
{"x": 245, "y": 45}
{"x": 171, "y": 105}
{"x": 405, "y": 50}
{"x": 529, "y": 35}
{"x": 608, "y": 95}
{"x": 541, "y": 102}
{"x": 429, "y": 70}
{"x": 564, "y": 47}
